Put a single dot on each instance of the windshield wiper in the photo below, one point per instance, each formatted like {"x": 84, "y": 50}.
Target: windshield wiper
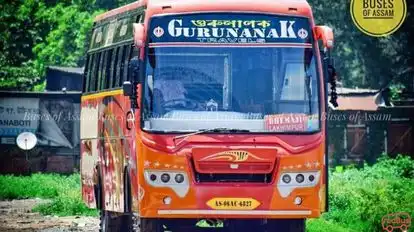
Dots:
{"x": 219, "y": 129}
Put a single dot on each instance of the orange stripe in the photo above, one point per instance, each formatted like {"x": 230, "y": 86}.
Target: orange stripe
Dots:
{"x": 102, "y": 94}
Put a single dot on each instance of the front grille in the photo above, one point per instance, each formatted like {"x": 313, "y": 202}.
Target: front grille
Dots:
{"x": 232, "y": 177}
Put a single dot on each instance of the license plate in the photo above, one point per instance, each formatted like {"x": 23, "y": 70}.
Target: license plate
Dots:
{"x": 233, "y": 203}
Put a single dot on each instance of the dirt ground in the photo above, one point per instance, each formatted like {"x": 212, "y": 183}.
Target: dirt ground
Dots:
{"x": 16, "y": 216}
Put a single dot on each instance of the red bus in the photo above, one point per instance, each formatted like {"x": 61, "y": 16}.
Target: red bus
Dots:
{"x": 206, "y": 110}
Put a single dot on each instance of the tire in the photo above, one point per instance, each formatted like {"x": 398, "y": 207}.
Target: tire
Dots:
{"x": 285, "y": 225}
{"x": 149, "y": 225}
{"x": 109, "y": 222}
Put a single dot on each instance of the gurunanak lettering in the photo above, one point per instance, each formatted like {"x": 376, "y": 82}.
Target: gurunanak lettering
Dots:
{"x": 285, "y": 30}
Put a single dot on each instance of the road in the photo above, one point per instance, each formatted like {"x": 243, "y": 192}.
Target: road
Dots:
{"x": 16, "y": 216}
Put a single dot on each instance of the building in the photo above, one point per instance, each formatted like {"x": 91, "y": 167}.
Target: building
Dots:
{"x": 366, "y": 124}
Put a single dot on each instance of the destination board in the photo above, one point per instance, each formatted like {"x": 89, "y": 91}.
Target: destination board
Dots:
{"x": 229, "y": 28}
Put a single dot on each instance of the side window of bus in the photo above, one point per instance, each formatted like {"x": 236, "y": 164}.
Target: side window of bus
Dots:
{"x": 127, "y": 58}
{"x": 107, "y": 70}
{"x": 87, "y": 75}
{"x": 100, "y": 70}
{"x": 119, "y": 66}
{"x": 112, "y": 78}
{"x": 94, "y": 72}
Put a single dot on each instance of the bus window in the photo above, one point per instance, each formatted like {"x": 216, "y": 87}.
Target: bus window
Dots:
{"x": 99, "y": 71}
{"x": 127, "y": 57}
{"x": 119, "y": 66}
{"x": 107, "y": 70}
{"x": 88, "y": 73}
{"x": 103, "y": 77}
{"x": 112, "y": 78}
{"x": 95, "y": 65}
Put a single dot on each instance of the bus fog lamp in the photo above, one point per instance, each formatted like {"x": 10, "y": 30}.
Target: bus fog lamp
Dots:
{"x": 298, "y": 200}
{"x": 286, "y": 178}
{"x": 167, "y": 200}
{"x": 165, "y": 177}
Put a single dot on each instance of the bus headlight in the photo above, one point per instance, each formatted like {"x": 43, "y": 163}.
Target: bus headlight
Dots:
{"x": 286, "y": 178}
{"x": 158, "y": 178}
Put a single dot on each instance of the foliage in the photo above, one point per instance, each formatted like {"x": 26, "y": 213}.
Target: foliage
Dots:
{"x": 42, "y": 33}
{"x": 54, "y": 33}
{"x": 361, "y": 60}
{"x": 359, "y": 198}
{"x": 395, "y": 91}
{"x": 18, "y": 78}
{"x": 65, "y": 42}
{"x": 320, "y": 225}
{"x": 63, "y": 190}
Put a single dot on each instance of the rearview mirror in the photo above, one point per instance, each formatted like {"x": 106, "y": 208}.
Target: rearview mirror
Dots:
{"x": 325, "y": 34}
{"x": 127, "y": 88}
{"x": 139, "y": 34}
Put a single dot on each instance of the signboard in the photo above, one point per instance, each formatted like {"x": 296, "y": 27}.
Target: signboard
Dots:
{"x": 16, "y": 115}
{"x": 229, "y": 28}
{"x": 53, "y": 121}
{"x": 291, "y": 122}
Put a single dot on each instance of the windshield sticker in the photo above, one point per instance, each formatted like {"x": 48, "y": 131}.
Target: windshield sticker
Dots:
{"x": 233, "y": 28}
{"x": 291, "y": 122}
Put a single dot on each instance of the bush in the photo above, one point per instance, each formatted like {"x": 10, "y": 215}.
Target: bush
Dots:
{"x": 63, "y": 190}
{"x": 360, "y": 198}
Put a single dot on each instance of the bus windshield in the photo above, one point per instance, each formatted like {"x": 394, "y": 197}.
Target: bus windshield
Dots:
{"x": 256, "y": 86}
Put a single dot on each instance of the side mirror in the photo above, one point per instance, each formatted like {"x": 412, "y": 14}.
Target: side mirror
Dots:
{"x": 139, "y": 34}
{"x": 325, "y": 34}
{"x": 127, "y": 87}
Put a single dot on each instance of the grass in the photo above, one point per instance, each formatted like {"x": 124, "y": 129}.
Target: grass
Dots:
{"x": 320, "y": 225}
{"x": 64, "y": 191}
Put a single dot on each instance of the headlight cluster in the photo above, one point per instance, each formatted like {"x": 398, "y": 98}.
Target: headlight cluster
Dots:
{"x": 289, "y": 181}
{"x": 299, "y": 178}
{"x": 176, "y": 180}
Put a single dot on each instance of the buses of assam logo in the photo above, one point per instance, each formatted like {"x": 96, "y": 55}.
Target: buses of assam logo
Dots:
{"x": 396, "y": 222}
{"x": 378, "y": 17}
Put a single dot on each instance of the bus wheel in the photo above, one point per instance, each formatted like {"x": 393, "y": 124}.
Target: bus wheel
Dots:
{"x": 285, "y": 225}
{"x": 110, "y": 222}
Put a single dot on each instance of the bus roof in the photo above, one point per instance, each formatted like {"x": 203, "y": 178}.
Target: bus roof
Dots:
{"x": 120, "y": 10}
{"x": 291, "y": 7}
